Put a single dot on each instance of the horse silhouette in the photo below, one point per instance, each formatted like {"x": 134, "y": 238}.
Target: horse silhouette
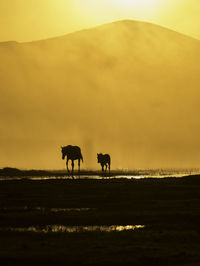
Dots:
{"x": 72, "y": 153}
{"x": 104, "y": 160}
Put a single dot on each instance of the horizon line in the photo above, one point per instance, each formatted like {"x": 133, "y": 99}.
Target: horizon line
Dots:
{"x": 93, "y": 27}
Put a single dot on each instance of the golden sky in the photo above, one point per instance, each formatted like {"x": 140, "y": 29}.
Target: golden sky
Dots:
{"x": 130, "y": 89}
{"x": 26, "y": 20}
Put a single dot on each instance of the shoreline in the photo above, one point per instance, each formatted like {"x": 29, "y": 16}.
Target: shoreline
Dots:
{"x": 9, "y": 172}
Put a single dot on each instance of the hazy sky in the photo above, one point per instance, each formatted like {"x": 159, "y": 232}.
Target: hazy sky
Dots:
{"x": 25, "y": 20}
{"x": 130, "y": 89}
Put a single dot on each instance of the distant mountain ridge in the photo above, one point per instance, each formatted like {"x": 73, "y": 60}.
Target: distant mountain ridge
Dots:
{"x": 127, "y": 88}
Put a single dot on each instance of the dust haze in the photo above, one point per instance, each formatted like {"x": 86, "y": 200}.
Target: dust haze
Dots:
{"x": 130, "y": 89}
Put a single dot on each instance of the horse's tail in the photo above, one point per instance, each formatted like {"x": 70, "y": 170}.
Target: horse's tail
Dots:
{"x": 81, "y": 158}
{"x": 109, "y": 159}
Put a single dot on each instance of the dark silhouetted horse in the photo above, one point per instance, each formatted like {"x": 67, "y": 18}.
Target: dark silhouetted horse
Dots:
{"x": 104, "y": 160}
{"x": 72, "y": 153}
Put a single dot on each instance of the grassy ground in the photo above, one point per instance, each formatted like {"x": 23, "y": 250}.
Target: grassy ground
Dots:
{"x": 169, "y": 209}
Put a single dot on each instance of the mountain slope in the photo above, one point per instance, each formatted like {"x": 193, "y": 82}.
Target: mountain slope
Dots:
{"x": 127, "y": 88}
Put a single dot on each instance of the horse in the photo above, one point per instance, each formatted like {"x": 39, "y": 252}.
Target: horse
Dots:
{"x": 72, "y": 153}
{"x": 104, "y": 160}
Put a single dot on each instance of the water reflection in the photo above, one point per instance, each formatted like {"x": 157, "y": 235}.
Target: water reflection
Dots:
{"x": 42, "y": 209}
{"x": 142, "y": 176}
{"x": 61, "y": 209}
{"x": 153, "y": 176}
{"x": 75, "y": 229}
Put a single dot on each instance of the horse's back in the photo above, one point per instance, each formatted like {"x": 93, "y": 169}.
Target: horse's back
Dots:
{"x": 70, "y": 148}
{"x": 107, "y": 158}
{"x": 104, "y": 158}
{"x": 73, "y": 152}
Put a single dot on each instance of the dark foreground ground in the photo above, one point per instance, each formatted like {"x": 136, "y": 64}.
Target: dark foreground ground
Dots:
{"x": 169, "y": 209}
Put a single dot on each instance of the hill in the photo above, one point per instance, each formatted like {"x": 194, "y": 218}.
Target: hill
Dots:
{"x": 126, "y": 88}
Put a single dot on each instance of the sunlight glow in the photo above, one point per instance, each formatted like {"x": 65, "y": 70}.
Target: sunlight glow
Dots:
{"x": 147, "y": 5}
{"x": 99, "y": 12}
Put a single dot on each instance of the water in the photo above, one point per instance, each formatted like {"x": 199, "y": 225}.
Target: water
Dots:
{"x": 42, "y": 209}
{"x": 74, "y": 229}
{"x": 158, "y": 176}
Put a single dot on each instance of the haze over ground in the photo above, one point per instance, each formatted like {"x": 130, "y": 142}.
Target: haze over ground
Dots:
{"x": 127, "y": 88}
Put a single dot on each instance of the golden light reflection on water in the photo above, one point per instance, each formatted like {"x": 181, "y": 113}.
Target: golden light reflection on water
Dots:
{"x": 42, "y": 209}
{"x": 98, "y": 177}
{"x": 75, "y": 229}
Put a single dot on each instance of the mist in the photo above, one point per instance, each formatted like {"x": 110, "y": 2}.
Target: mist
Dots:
{"x": 128, "y": 88}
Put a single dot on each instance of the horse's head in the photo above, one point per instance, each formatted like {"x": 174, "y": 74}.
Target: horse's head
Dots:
{"x": 99, "y": 156}
{"x": 63, "y": 153}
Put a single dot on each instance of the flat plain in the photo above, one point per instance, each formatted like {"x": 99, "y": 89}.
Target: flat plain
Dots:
{"x": 168, "y": 208}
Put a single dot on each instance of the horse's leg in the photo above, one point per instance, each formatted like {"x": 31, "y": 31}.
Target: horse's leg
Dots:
{"x": 67, "y": 165}
{"x": 79, "y": 162}
{"x": 102, "y": 167}
{"x": 72, "y": 168}
{"x": 109, "y": 167}
{"x": 106, "y": 167}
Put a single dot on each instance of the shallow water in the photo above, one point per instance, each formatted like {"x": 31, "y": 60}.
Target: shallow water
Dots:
{"x": 158, "y": 176}
{"x": 74, "y": 229}
{"x": 42, "y": 209}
